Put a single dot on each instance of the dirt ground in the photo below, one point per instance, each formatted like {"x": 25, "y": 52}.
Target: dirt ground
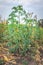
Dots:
{"x": 12, "y": 59}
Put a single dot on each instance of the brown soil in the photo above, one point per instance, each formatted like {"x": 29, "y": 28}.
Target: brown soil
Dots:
{"x": 12, "y": 59}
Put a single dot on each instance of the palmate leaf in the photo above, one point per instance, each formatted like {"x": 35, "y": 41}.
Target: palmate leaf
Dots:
{"x": 12, "y": 12}
{"x": 15, "y": 21}
{"x": 15, "y": 8}
{"x": 31, "y": 20}
{"x": 20, "y": 13}
{"x": 20, "y": 7}
{"x": 13, "y": 15}
{"x": 11, "y": 20}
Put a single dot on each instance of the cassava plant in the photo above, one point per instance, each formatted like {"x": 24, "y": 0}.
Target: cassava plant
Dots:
{"x": 19, "y": 35}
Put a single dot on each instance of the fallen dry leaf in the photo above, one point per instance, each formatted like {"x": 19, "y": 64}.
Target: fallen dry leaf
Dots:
{"x": 37, "y": 57}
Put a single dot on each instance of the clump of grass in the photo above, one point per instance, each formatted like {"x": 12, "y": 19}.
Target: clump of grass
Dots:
{"x": 25, "y": 62}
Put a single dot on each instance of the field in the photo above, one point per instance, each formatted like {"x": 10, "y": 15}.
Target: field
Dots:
{"x": 21, "y": 44}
